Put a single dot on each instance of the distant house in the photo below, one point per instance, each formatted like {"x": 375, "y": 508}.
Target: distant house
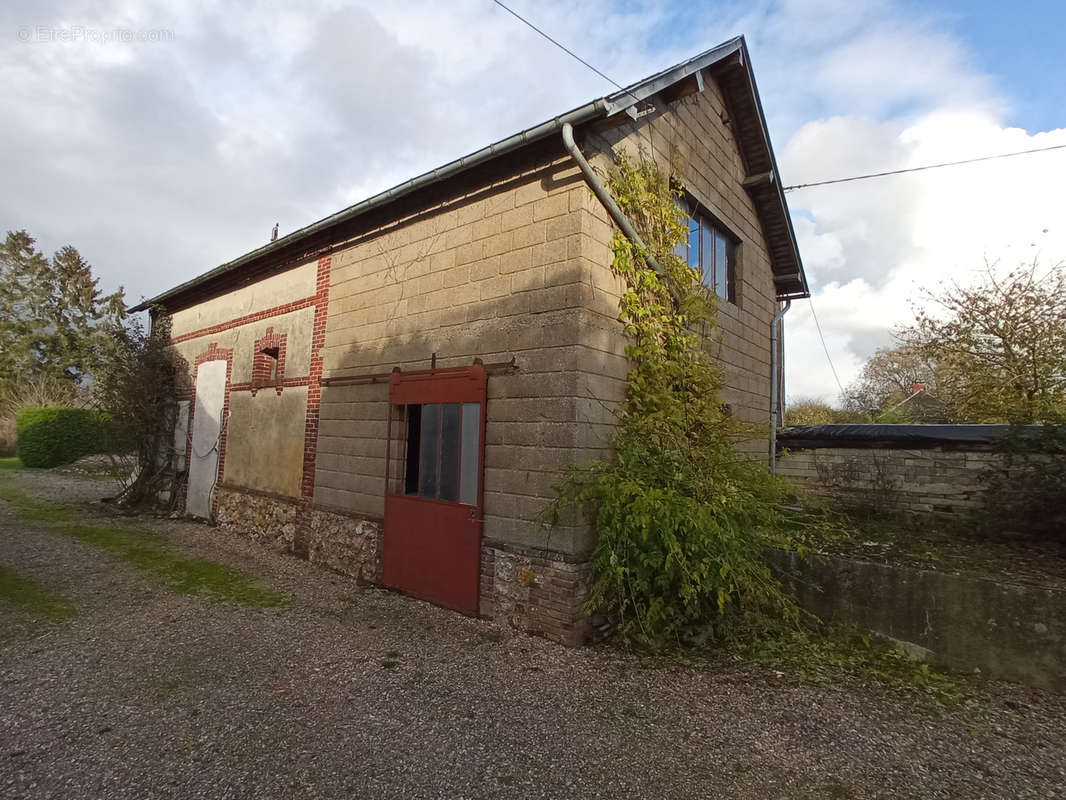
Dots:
{"x": 393, "y": 390}
{"x": 923, "y": 407}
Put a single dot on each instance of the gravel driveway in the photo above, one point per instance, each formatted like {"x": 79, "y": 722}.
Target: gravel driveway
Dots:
{"x": 361, "y": 693}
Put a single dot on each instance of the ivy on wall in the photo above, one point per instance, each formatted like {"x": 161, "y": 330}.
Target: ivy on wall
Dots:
{"x": 682, "y": 519}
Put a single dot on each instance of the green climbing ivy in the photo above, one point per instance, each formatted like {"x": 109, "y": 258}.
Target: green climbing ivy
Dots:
{"x": 682, "y": 519}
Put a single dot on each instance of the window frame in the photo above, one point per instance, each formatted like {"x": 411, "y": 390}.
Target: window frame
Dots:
{"x": 415, "y": 446}
{"x": 706, "y": 219}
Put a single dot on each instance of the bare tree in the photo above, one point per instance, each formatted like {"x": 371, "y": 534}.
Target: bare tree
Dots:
{"x": 890, "y": 377}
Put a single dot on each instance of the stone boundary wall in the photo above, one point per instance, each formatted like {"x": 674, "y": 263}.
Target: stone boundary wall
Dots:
{"x": 534, "y": 591}
{"x": 921, "y": 481}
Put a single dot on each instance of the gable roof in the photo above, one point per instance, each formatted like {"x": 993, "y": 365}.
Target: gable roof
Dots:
{"x": 729, "y": 63}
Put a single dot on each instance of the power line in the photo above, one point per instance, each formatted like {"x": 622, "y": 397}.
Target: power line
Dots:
{"x": 927, "y": 166}
{"x": 565, "y": 49}
{"x": 824, "y": 347}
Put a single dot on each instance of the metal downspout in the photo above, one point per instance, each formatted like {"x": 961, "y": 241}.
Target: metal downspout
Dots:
{"x": 594, "y": 182}
{"x": 775, "y": 382}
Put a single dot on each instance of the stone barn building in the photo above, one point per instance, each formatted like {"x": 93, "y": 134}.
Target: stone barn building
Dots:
{"x": 393, "y": 390}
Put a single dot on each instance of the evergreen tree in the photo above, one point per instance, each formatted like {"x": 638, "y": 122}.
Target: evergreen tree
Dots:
{"x": 53, "y": 317}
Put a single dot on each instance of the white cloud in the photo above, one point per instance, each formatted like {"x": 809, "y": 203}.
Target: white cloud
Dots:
{"x": 870, "y": 247}
{"x": 160, "y": 160}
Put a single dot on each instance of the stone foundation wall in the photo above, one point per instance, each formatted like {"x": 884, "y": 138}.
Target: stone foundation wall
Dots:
{"x": 340, "y": 542}
{"x": 537, "y": 592}
{"x": 533, "y": 591}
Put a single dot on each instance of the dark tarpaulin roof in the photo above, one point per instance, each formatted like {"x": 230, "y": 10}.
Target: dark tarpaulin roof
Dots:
{"x": 903, "y": 435}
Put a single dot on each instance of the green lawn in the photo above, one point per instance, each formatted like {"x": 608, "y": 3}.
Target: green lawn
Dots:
{"x": 10, "y": 463}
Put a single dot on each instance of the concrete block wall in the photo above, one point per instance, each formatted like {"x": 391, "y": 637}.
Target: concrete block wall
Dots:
{"x": 498, "y": 273}
{"x": 692, "y": 133}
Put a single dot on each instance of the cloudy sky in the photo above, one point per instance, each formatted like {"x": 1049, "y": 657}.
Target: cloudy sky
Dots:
{"x": 163, "y": 139}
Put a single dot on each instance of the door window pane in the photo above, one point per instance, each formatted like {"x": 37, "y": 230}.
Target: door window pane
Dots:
{"x": 471, "y": 455}
{"x": 449, "y": 452}
{"x": 438, "y": 453}
{"x": 429, "y": 457}
{"x": 414, "y": 427}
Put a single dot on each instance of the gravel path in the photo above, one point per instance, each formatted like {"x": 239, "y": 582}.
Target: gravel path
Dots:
{"x": 361, "y": 693}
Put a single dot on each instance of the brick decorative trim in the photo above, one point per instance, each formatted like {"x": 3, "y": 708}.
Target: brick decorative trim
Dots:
{"x": 247, "y": 319}
{"x": 314, "y": 388}
{"x": 268, "y": 362}
{"x": 212, "y": 353}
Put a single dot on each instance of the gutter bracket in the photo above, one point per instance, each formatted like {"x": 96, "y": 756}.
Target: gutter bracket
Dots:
{"x": 634, "y": 114}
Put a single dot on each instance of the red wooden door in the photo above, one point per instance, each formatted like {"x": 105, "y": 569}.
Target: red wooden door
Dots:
{"x": 431, "y": 547}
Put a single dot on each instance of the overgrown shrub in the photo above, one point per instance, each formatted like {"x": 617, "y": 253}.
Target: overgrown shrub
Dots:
{"x": 682, "y": 519}
{"x": 139, "y": 382}
{"x": 49, "y": 436}
{"x": 27, "y": 391}
{"x": 1025, "y": 492}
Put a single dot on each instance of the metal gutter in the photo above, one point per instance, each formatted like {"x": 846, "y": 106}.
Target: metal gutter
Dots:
{"x": 594, "y": 182}
{"x": 623, "y": 99}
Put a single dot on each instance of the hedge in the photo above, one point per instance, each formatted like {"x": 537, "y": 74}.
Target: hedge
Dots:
{"x": 48, "y": 436}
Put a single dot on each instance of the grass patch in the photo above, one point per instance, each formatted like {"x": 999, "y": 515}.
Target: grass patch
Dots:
{"x": 193, "y": 576}
{"x": 10, "y": 463}
{"x": 149, "y": 554}
{"x": 28, "y": 509}
{"x": 32, "y": 596}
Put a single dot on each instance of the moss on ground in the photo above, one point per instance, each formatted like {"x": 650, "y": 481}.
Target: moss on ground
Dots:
{"x": 196, "y": 576}
{"x": 33, "y": 597}
{"x": 30, "y": 510}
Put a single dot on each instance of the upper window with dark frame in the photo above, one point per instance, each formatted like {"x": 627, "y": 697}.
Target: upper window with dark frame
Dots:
{"x": 711, "y": 250}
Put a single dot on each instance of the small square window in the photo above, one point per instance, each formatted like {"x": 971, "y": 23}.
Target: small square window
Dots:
{"x": 268, "y": 361}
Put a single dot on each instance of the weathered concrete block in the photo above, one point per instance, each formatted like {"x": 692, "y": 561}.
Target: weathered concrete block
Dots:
{"x": 963, "y": 622}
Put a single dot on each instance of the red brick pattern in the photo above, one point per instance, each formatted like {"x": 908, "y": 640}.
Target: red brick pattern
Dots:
{"x": 258, "y": 316}
{"x": 268, "y": 362}
{"x": 314, "y": 388}
{"x": 247, "y": 386}
{"x": 212, "y": 353}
